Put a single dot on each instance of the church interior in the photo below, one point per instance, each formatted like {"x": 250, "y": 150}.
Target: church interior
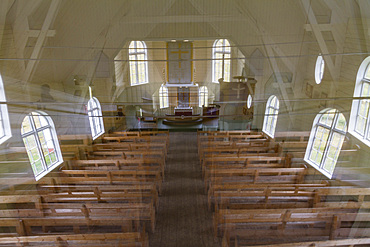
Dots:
{"x": 184, "y": 123}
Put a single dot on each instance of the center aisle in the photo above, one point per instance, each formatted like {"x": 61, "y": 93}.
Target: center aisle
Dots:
{"x": 183, "y": 219}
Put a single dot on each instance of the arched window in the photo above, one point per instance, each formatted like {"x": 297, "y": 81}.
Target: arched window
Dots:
{"x": 319, "y": 69}
{"x": 95, "y": 118}
{"x": 203, "y": 96}
{"x": 163, "y": 97}
{"x": 271, "y": 115}
{"x": 359, "y": 123}
{"x": 138, "y": 63}
{"x": 221, "y": 63}
{"x": 5, "y": 130}
{"x": 41, "y": 142}
{"x": 327, "y": 135}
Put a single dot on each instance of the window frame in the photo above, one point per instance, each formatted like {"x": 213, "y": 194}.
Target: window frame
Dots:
{"x": 133, "y": 51}
{"x": 5, "y": 127}
{"x": 163, "y": 97}
{"x": 271, "y": 118}
{"x": 225, "y": 50}
{"x": 361, "y": 80}
{"x": 249, "y": 101}
{"x": 35, "y": 133}
{"x": 203, "y": 96}
{"x": 327, "y": 144}
{"x": 319, "y": 69}
{"x": 95, "y": 117}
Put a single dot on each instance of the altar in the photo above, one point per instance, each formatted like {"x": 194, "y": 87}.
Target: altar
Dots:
{"x": 183, "y": 111}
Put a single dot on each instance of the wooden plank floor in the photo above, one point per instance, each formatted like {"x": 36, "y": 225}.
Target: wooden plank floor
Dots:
{"x": 182, "y": 218}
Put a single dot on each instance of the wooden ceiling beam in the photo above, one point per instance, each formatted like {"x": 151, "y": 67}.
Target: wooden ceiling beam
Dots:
{"x": 181, "y": 18}
{"x": 4, "y": 8}
{"x": 319, "y": 37}
{"x": 50, "y": 16}
{"x": 20, "y": 28}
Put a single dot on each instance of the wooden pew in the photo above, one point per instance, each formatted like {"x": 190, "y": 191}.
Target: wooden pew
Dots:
{"x": 247, "y": 196}
{"x": 60, "y": 186}
{"x": 136, "y": 154}
{"x": 328, "y": 243}
{"x": 118, "y": 164}
{"x": 105, "y": 193}
{"x": 226, "y": 132}
{"x": 63, "y": 225}
{"x": 68, "y": 206}
{"x": 74, "y": 139}
{"x": 286, "y": 225}
{"x": 129, "y": 146}
{"x": 270, "y": 160}
{"x": 293, "y": 136}
{"x": 256, "y": 175}
{"x": 134, "y": 139}
{"x": 112, "y": 177}
{"x": 127, "y": 239}
{"x": 72, "y": 145}
{"x": 340, "y": 197}
{"x": 143, "y": 133}
{"x": 204, "y": 140}
{"x": 219, "y": 144}
{"x": 235, "y": 151}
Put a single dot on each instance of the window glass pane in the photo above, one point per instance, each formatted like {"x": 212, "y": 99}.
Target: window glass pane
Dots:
{"x": 40, "y": 121}
{"x": 365, "y": 91}
{"x": 218, "y": 69}
{"x": 47, "y": 145}
{"x": 367, "y": 73}
{"x": 133, "y": 73}
{"x": 327, "y": 118}
{"x": 26, "y": 125}
{"x": 132, "y": 45}
{"x": 94, "y": 103}
{"x": 273, "y": 101}
{"x": 33, "y": 154}
{"x": 36, "y": 120}
{"x": 53, "y": 157}
{"x": 362, "y": 115}
{"x": 333, "y": 152}
{"x": 141, "y": 73}
{"x": 322, "y": 68}
{"x": 341, "y": 122}
{"x": 2, "y": 132}
{"x": 319, "y": 143}
{"x": 329, "y": 165}
{"x": 92, "y": 126}
{"x": 227, "y": 70}
{"x": 313, "y": 155}
{"x": 140, "y": 57}
{"x": 140, "y": 46}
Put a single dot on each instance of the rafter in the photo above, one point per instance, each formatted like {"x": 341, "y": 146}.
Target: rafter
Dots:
{"x": 200, "y": 8}
{"x": 364, "y": 7}
{"x": 150, "y": 28}
{"x": 279, "y": 79}
{"x": 319, "y": 37}
{"x": 50, "y": 16}
{"x": 181, "y": 18}
{"x": 20, "y": 28}
{"x": 266, "y": 38}
{"x": 4, "y": 8}
{"x": 271, "y": 51}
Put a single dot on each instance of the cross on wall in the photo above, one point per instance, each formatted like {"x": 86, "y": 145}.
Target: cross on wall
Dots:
{"x": 238, "y": 90}
{"x": 180, "y": 52}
